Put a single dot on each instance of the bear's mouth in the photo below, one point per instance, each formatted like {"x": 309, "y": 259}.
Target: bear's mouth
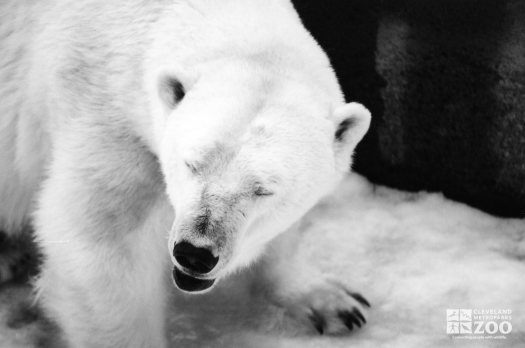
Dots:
{"x": 188, "y": 283}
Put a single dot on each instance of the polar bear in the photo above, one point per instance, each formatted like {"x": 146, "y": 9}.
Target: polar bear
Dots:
{"x": 168, "y": 139}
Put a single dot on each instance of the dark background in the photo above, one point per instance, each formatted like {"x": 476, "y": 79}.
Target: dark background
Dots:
{"x": 445, "y": 81}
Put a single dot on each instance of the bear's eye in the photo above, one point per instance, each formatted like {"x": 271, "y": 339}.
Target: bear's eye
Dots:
{"x": 262, "y": 192}
{"x": 191, "y": 167}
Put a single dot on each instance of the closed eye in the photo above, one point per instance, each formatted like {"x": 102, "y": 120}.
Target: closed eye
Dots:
{"x": 191, "y": 167}
{"x": 262, "y": 192}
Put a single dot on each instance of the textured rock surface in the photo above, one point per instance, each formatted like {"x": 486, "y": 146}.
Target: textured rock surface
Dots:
{"x": 445, "y": 81}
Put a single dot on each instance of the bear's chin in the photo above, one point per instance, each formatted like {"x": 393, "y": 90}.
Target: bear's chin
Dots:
{"x": 189, "y": 283}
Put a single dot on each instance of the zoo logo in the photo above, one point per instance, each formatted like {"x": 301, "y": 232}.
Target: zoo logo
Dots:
{"x": 486, "y": 322}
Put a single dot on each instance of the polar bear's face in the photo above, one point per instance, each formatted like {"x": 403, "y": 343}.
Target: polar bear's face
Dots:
{"x": 244, "y": 162}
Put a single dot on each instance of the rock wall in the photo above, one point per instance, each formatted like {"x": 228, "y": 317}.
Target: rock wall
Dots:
{"x": 445, "y": 81}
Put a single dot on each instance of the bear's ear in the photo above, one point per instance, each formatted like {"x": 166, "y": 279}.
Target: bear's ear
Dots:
{"x": 351, "y": 124}
{"x": 171, "y": 91}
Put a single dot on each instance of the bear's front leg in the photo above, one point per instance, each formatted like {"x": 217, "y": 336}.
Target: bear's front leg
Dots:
{"x": 101, "y": 225}
{"x": 307, "y": 294}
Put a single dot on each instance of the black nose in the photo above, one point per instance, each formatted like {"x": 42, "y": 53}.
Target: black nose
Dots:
{"x": 199, "y": 260}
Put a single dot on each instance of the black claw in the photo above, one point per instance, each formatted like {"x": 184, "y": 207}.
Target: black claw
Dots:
{"x": 345, "y": 317}
{"x": 349, "y": 319}
{"x": 359, "y": 298}
{"x": 318, "y": 321}
{"x": 358, "y": 314}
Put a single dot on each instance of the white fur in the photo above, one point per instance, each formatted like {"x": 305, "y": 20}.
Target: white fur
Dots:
{"x": 85, "y": 133}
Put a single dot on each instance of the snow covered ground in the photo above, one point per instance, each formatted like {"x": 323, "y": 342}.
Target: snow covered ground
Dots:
{"x": 412, "y": 255}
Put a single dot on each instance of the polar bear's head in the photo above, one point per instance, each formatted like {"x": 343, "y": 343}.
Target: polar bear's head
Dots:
{"x": 245, "y": 153}
{"x": 250, "y": 127}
